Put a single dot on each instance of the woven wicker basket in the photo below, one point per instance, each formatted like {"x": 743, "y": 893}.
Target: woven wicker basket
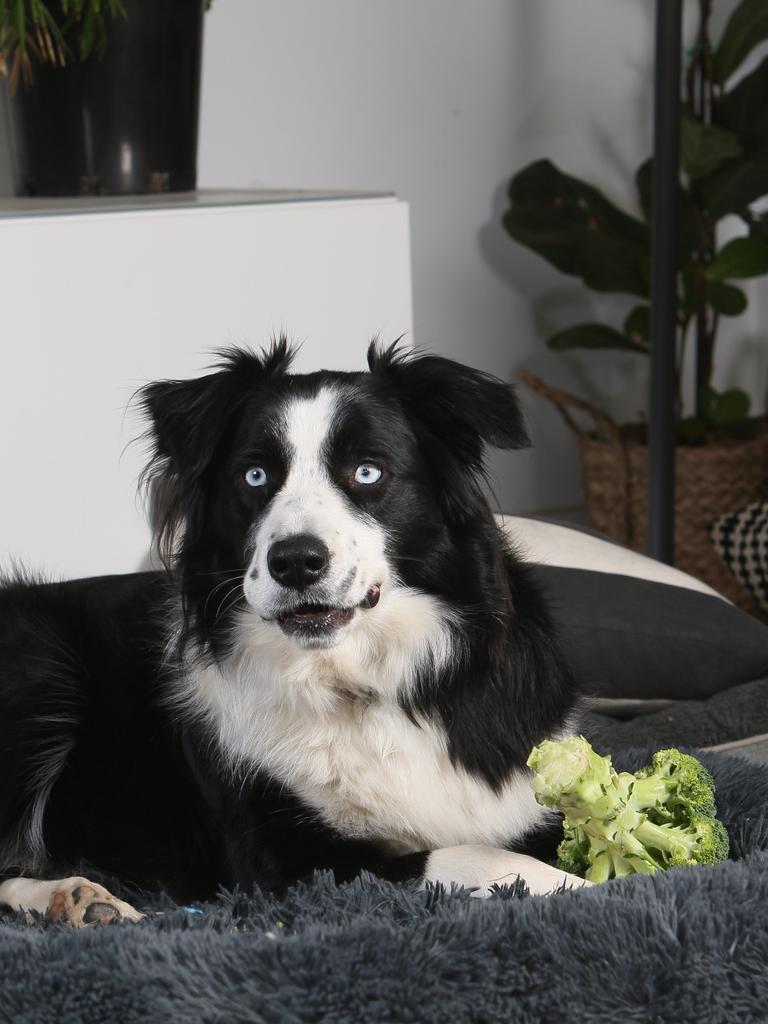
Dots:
{"x": 710, "y": 480}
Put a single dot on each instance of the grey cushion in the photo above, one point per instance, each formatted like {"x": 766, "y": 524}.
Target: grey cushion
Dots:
{"x": 634, "y": 628}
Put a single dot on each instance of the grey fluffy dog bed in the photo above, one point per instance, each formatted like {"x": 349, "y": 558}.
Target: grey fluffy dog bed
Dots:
{"x": 688, "y": 946}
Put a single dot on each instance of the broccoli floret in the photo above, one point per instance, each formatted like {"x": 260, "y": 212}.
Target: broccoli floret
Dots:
{"x": 618, "y": 824}
{"x": 673, "y": 780}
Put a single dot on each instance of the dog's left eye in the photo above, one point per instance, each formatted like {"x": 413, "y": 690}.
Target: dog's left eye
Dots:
{"x": 367, "y": 473}
{"x": 255, "y": 476}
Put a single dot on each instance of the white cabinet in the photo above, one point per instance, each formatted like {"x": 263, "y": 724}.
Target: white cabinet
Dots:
{"x": 98, "y": 299}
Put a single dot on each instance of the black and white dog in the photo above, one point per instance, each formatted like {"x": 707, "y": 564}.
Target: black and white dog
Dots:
{"x": 345, "y": 667}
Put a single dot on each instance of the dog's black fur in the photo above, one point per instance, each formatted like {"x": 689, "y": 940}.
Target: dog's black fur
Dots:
{"x": 123, "y": 780}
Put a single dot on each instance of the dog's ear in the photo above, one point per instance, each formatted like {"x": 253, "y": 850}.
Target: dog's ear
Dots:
{"x": 188, "y": 419}
{"x": 457, "y": 411}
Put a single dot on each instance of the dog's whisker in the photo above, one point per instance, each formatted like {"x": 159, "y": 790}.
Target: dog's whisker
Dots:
{"x": 224, "y": 600}
{"x": 223, "y": 583}
{"x": 227, "y": 573}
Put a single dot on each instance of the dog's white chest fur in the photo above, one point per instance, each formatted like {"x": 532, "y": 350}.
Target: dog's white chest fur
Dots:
{"x": 329, "y": 727}
{"x": 372, "y": 773}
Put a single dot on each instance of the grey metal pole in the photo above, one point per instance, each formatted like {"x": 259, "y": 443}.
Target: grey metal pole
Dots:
{"x": 664, "y": 260}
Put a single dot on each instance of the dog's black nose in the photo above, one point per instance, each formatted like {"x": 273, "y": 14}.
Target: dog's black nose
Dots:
{"x": 298, "y": 561}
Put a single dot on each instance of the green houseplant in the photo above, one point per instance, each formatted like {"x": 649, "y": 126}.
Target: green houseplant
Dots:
{"x": 724, "y": 155}
{"x": 102, "y": 96}
{"x": 38, "y": 31}
{"x": 571, "y": 224}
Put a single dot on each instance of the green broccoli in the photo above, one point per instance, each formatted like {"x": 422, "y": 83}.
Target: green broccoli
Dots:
{"x": 619, "y": 824}
{"x": 673, "y": 780}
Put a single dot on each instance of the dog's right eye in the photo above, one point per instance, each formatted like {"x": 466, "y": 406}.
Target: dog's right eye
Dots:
{"x": 255, "y": 476}
{"x": 367, "y": 473}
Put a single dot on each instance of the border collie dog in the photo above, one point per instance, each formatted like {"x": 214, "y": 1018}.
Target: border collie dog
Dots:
{"x": 344, "y": 666}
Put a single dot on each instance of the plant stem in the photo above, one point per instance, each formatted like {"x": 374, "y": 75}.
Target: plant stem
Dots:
{"x": 682, "y": 328}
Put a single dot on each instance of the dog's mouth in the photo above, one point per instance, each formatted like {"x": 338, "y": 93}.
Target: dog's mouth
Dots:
{"x": 313, "y": 619}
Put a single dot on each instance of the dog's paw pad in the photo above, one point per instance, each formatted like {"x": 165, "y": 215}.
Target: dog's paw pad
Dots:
{"x": 57, "y": 908}
{"x": 100, "y": 913}
{"x": 86, "y": 904}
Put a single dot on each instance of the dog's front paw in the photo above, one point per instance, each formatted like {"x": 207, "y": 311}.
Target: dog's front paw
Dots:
{"x": 75, "y": 900}
{"x": 480, "y": 868}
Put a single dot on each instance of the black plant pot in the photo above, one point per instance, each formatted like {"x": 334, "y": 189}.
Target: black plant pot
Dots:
{"x": 118, "y": 124}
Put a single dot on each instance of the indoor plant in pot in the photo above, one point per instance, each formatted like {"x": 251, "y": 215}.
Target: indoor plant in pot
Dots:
{"x": 102, "y": 96}
{"x": 722, "y": 454}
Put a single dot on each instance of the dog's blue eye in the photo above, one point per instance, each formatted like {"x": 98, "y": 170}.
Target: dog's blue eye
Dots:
{"x": 255, "y": 476}
{"x": 367, "y": 473}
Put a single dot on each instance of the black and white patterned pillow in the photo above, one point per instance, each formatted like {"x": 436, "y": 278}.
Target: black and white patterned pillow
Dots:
{"x": 741, "y": 540}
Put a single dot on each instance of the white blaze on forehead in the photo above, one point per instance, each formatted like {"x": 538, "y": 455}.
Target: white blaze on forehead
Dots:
{"x": 308, "y": 423}
{"x": 304, "y": 502}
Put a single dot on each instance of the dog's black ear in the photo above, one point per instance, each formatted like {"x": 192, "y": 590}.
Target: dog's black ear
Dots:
{"x": 457, "y": 412}
{"x": 446, "y": 395}
{"x": 188, "y": 419}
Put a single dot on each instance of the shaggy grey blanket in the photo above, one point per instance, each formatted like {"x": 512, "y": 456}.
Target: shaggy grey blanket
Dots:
{"x": 732, "y": 714}
{"x": 688, "y": 946}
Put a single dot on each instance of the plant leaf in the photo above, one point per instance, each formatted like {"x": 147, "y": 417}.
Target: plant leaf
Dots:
{"x": 637, "y": 326}
{"x": 746, "y": 27}
{"x": 689, "y": 221}
{"x": 87, "y": 33}
{"x": 704, "y": 147}
{"x": 21, "y": 27}
{"x": 574, "y": 227}
{"x": 727, "y": 406}
{"x": 691, "y": 430}
{"x": 744, "y": 109}
{"x": 594, "y": 336}
{"x": 758, "y": 225}
{"x": 743, "y": 257}
{"x": 726, "y": 299}
{"x": 732, "y": 187}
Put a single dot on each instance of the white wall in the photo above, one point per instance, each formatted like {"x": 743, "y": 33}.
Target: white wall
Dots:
{"x": 442, "y": 100}
{"x": 160, "y": 284}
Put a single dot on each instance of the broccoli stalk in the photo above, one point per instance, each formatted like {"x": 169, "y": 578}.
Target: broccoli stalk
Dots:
{"x": 618, "y": 824}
